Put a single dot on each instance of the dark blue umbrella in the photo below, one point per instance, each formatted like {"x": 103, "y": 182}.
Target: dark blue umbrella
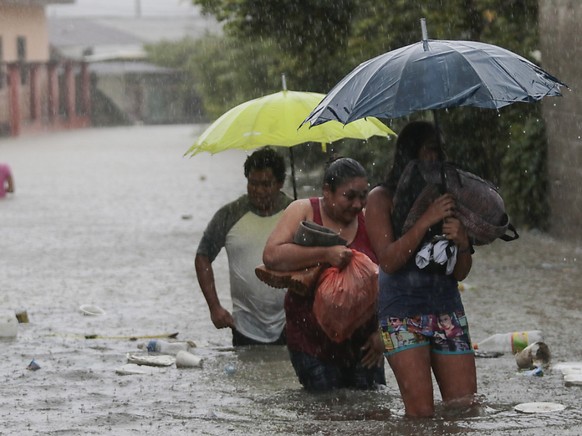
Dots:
{"x": 435, "y": 74}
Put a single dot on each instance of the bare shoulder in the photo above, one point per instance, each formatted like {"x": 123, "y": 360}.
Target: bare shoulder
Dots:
{"x": 301, "y": 209}
{"x": 286, "y": 227}
{"x": 380, "y": 195}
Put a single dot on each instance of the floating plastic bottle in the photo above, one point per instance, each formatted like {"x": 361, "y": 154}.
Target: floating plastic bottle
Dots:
{"x": 509, "y": 342}
{"x": 165, "y": 347}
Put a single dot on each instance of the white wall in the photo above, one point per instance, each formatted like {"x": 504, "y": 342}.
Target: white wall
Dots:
{"x": 26, "y": 21}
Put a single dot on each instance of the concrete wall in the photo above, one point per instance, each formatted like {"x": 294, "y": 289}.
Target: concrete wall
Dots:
{"x": 561, "y": 46}
{"x": 26, "y": 21}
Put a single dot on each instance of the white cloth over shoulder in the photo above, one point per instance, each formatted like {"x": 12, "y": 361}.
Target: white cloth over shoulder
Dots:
{"x": 442, "y": 252}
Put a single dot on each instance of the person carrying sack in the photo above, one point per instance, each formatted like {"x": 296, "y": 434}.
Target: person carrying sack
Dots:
{"x": 321, "y": 364}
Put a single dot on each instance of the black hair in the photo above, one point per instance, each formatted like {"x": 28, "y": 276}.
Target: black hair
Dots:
{"x": 411, "y": 139}
{"x": 264, "y": 158}
{"x": 341, "y": 170}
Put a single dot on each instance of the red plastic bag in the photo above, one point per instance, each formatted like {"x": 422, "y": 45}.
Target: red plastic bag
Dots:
{"x": 345, "y": 299}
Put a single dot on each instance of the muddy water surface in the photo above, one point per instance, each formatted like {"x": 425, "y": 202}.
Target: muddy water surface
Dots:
{"x": 112, "y": 218}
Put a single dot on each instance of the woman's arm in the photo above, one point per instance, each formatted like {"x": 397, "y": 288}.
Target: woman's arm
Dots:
{"x": 393, "y": 255}
{"x": 282, "y": 254}
{"x": 455, "y": 231}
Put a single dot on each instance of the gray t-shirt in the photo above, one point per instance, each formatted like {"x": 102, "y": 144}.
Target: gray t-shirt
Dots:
{"x": 257, "y": 308}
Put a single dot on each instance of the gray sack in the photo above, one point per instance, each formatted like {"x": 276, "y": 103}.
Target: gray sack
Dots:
{"x": 479, "y": 205}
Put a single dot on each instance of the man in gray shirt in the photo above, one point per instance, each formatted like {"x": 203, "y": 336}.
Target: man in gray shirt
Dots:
{"x": 242, "y": 228}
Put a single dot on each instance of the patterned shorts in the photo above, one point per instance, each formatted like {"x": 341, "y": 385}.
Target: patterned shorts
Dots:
{"x": 445, "y": 333}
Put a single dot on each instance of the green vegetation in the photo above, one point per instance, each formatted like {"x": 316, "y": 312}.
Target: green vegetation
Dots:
{"x": 316, "y": 42}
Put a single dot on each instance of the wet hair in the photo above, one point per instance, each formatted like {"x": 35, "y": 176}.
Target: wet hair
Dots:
{"x": 411, "y": 139}
{"x": 265, "y": 158}
{"x": 341, "y": 170}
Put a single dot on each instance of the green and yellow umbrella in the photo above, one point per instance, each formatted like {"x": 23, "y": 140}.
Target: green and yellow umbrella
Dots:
{"x": 275, "y": 120}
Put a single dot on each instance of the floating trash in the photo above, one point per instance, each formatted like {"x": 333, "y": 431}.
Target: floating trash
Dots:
{"x": 22, "y": 316}
{"x": 539, "y": 407}
{"x": 33, "y": 366}
{"x": 566, "y": 367}
{"x": 8, "y": 324}
{"x": 513, "y": 342}
{"x": 167, "y": 347}
{"x": 536, "y": 372}
{"x": 488, "y": 354}
{"x": 91, "y": 310}
{"x": 184, "y": 359}
{"x": 573, "y": 379}
{"x": 146, "y": 359}
{"x": 465, "y": 286}
{"x": 572, "y": 372}
{"x": 134, "y": 369}
{"x": 534, "y": 355}
{"x": 229, "y": 368}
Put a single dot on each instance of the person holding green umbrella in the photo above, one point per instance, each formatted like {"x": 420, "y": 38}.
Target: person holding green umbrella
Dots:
{"x": 274, "y": 120}
{"x": 242, "y": 228}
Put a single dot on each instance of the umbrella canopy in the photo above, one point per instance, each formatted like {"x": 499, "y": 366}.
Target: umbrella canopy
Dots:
{"x": 435, "y": 74}
{"x": 275, "y": 119}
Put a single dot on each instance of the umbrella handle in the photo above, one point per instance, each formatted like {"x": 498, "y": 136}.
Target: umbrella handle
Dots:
{"x": 292, "y": 164}
{"x": 443, "y": 173}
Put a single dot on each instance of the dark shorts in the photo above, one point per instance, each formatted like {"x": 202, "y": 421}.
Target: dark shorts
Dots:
{"x": 445, "y": 333}
{"x": 239, "y": 340}
{"x": 318, "y": 376}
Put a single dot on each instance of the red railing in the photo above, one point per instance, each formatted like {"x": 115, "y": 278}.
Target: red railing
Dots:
{"x": 44, "y": 96}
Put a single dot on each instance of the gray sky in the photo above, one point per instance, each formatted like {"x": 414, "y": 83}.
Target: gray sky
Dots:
{"x": 123, "y": 8}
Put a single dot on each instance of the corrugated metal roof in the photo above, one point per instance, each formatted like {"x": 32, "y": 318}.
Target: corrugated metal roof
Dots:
{"x": 123, "y": 30}
{"x": 127, "y": 8}
{"x": 73, "y": 37}
{"x": 87, "y": 32}
{"x": 152, "y": 29}
{"x": 134, "y": 67}
{"x": 33, "y": 2}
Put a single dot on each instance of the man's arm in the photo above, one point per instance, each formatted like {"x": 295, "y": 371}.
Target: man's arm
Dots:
{"x": 220, "y": 317}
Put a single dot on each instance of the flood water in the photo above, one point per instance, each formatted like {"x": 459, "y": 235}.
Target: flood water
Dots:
{"x": 112, "y": 218}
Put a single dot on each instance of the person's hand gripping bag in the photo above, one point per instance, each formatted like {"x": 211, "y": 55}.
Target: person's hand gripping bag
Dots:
{"x": 345, "y": 299}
